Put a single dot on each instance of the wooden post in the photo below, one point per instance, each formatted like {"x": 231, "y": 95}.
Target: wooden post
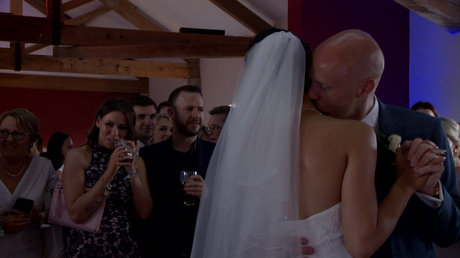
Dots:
{"x": 54, "y": 15}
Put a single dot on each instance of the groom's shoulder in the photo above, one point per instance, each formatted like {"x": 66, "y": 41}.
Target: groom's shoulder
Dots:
{"x": 407, "y": 115}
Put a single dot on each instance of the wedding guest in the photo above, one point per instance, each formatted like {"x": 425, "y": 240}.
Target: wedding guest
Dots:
{"x": 37, "y": 148}
{"x": 101, "y": 166}
{"x": 145, "y": 109}
{"x": 346, "y": 71}
{"x": 163, "y": 128}
{"x": 30, "y": 177}
{"x": 216, "y": 121}
{"x": 169, "y": 230}
{"x": 203, "y": 133}
{"x": 425, "y": 107}
{"x": 58, "y": 146}
{"x": 452, "y": 131}
{"x": 163, "y": 107}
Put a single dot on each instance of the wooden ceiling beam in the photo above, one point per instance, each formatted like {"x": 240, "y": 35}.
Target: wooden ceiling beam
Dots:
{"x": 38, "y": 30}
{"x": 74, "y": 4}
{"x": 79, "y": 20}
{"x": 242, "y": 14}
{"x": 25, "y": 29}
{"x": 445, "y": 13}
{"x": 100, "y": 66}
{"x": 161, "y": 50}
{"x": 131, "y": 13}
{"x": 94, "y": 36}
{"x": 72, "y": 83}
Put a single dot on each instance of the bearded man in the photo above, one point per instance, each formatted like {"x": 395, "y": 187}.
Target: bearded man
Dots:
{"x": 169, "y": 230}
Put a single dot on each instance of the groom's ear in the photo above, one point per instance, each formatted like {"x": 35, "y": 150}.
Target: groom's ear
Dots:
{"x": 366, "y": 87}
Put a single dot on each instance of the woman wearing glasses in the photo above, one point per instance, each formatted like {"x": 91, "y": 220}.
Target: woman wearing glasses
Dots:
{"x": 22, "y": 175}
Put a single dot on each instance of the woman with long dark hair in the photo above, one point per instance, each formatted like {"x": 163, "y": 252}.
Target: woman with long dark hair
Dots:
{"x": 100, "y": 165}
{"x": 58, "y": 146}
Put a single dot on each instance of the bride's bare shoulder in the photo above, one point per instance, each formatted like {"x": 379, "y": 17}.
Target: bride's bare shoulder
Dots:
{"x": 344, "y": 129}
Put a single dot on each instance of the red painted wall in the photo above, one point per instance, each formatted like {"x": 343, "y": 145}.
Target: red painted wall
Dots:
{"x": 386, "y": 21}
{"x": 71, "y": 112}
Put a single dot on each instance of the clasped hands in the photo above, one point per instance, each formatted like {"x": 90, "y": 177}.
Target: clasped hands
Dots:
{"x": 425, "y": 159}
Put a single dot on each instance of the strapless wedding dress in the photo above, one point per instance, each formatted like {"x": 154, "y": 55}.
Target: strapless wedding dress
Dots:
{"x": 324, "y": 233}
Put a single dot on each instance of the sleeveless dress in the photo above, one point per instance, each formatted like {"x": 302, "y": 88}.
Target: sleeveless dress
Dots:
{"x": 324, "y": 232}
{"x": 115, "y": 237}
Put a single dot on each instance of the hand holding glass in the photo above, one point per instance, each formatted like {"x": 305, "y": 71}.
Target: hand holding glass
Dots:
{"x": 187, "y": 199}
{"x": 125, "y": 143}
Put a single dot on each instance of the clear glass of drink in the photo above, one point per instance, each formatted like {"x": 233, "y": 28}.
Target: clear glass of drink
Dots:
{"x": 187, "y": 199}
{"x": 125, "y": 144}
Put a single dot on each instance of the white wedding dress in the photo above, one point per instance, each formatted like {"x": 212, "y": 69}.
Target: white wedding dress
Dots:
{"x": 249, "y": 205}
{"x": 324, "y": 232}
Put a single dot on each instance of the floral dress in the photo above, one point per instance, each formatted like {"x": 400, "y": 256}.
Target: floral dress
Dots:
{"x": 115, "y": 237}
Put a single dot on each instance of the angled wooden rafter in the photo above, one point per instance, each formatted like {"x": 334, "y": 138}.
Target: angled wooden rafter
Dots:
{"x": 70, "y": 5}
{"x": 131, "y": 13}
{"x": 242, "y": 14}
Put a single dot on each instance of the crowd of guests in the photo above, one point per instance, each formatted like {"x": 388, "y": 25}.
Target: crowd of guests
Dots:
{"x": 99, "y": 164}
{"x": 144, "y": 216}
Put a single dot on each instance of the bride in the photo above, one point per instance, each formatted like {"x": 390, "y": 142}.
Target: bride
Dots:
{"x": 282, "y": 171}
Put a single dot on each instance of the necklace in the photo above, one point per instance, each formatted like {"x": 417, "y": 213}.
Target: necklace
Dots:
{"x": 312, "y": 109}
{"x": 14, "y": 176}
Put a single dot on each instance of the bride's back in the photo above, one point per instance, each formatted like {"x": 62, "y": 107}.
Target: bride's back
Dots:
{"x": 328, "y": 148}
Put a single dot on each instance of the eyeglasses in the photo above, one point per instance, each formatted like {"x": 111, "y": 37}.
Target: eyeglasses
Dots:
{"x": 16, "y": 135}
{"x": 214, "y": 128}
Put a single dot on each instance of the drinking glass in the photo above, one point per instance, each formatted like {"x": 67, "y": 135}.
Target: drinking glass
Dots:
{"x": 187, "y": 199}
{"x": 125, "y": 143}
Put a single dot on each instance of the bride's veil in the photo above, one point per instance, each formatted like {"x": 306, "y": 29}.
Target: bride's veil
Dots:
{"x": 252, "y": 179}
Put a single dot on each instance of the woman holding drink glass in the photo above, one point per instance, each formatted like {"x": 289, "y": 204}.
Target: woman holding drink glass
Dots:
{"x": 102, "y": 166}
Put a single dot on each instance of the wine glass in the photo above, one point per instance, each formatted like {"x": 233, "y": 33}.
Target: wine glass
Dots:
{"x": 125, "y": 144}
{"x": 187, "y": 199}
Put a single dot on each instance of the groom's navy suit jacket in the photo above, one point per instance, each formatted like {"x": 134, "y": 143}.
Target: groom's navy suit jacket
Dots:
{"x": 420, "y": 225}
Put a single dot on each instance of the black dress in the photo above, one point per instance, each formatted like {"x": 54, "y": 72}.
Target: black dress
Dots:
{"x": 115, "y": 238}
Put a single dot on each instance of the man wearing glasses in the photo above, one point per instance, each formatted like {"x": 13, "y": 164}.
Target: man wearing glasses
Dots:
{"x": 216, "y": 121}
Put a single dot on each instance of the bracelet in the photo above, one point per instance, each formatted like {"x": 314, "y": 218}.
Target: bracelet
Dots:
{"x": 107, "y": 187}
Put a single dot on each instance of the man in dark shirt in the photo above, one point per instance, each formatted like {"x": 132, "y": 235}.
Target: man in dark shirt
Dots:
{"x": 169, "y": 230}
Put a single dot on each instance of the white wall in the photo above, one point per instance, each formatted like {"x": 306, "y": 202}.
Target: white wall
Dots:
{"x": 434, "y": 72}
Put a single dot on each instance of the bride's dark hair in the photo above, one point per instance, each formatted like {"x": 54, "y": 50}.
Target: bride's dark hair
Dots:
{"x": 308, "y": 53}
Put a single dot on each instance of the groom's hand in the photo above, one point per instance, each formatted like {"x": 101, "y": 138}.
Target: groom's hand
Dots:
{"x": 426, "y": 159}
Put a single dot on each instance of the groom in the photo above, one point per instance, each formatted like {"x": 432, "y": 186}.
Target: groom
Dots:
{"x": 346, "y": 71}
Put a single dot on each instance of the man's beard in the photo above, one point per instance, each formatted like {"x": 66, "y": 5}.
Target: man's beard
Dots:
{"x": 182, "y": 128}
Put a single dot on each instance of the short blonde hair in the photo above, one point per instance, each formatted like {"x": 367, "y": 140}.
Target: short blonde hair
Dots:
{"x": 25, "y": 120}
{"x": 452, "y": 130}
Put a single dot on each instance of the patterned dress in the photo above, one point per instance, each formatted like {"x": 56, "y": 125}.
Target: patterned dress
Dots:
{"x": 115, "y": 238}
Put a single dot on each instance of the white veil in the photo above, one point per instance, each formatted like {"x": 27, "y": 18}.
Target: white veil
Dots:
{"x": 252, "y": 179}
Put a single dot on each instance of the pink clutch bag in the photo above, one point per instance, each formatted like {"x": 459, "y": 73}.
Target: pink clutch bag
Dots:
{"x": 60, "y": 216}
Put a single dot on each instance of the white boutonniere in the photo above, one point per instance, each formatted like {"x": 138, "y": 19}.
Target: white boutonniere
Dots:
{"x": 386, "y": 148}
{"x": 394, "y": 142}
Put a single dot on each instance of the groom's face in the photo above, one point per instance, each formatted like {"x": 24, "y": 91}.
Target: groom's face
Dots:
{"x": 334, "y": 90}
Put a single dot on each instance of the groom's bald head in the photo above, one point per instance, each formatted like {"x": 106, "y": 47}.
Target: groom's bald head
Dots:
{"x": 346, "y": 70}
